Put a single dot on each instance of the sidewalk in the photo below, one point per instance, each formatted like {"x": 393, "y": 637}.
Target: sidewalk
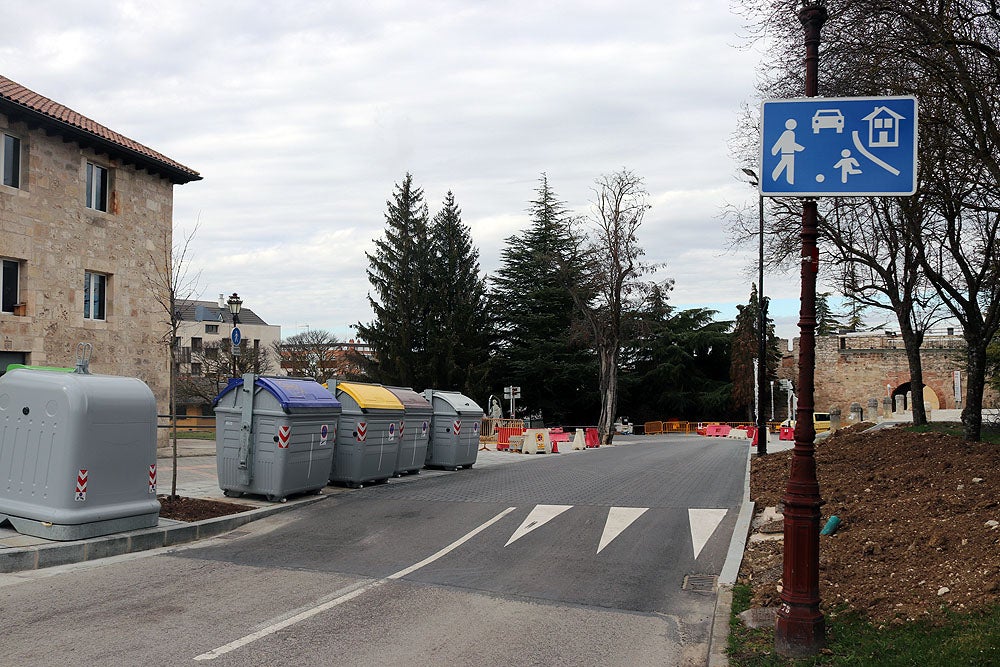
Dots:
{"x": 197, "y": 477}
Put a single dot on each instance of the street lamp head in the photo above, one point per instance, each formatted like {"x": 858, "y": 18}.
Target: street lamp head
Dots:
{"x": 753, "y": 175}
{"x": 235, "y": 303}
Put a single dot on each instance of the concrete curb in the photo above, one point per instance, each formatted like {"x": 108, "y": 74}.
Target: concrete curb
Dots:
{"x": 719, "y": 638}
{"x": 50, "y": 555}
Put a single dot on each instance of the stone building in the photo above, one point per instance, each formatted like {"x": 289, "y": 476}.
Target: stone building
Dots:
{"x": 872, "y": 367}
{"x": 85, "y": 219}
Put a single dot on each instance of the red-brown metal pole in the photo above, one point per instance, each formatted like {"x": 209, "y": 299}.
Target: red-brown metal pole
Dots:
{"x": 800, "y": 629}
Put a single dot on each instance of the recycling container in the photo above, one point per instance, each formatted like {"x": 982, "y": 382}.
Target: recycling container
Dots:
{"x": 274, "y": 436}
{"x": 414, "y": 430}
{"x": 77, "y": 454}
{"x": 368, "y": 434}
{"x": 454, "y": 439}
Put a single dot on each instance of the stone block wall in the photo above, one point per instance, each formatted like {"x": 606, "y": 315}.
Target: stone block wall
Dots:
{"x": 46, "y": 226}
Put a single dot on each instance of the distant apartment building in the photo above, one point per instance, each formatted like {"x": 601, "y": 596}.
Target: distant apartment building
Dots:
{"x": 204, "y": 354}
{"x": 85, "y": 223}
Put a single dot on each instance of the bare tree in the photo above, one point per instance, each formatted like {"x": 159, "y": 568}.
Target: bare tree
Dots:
{"x": 171, "y": 284}
{"x": 313, "y": 353}
{"x": 216, "y": 363}
{"x": 612, "y": 266}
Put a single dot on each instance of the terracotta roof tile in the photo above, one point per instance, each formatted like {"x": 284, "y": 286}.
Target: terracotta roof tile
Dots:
{"x": 14, "y": 92}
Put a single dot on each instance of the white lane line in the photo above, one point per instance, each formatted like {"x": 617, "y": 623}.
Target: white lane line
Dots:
{"x": 703, "y": 524}
{"x": 619, "y": 518}
{"x": 539, "y": 516}
{"x": 350, "y": 595}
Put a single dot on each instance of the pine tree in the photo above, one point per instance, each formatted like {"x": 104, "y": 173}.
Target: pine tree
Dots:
{"x": 745, "y": 348}
{"x": 678, "y": 364}
{"x": 544, "y": 348}
{"x": 459, "y": 332}
{"x": 399, "y": 273}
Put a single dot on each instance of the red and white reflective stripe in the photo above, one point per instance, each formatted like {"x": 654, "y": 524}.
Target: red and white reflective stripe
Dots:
{"x": 152, "y": 478}
{"x": 362, "y": 431}
{"x": 457, "y": 426}
{"x": 401, "y": 425}
{"x": 284, "y": 432}
{"x": 81, "y": 485}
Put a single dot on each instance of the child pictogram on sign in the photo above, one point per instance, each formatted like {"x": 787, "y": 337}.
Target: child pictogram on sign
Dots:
{"x": 847, "y": 165}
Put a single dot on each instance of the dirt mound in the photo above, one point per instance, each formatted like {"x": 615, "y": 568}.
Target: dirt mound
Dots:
{"x": 917, "y": 530}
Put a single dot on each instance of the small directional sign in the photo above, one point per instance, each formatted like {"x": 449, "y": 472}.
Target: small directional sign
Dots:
{"x": 839, "y": 146}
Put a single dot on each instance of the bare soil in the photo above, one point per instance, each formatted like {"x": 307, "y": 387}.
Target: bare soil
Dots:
{"x": 180, "y": 508}
{"x": 915, "y": 536}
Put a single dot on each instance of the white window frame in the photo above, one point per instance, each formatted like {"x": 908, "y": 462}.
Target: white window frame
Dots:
{"x": 94, "y": 200}
{"x": 4, "y": 157}
{"x": 4, "y": 263}
{"x": 92, "y": 297}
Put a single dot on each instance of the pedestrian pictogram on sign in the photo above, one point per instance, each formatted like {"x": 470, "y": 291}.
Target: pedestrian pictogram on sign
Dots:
{"x": 81, "y": 485}
{"x": 284, "y": 433}
{"x": 839, "y": 146}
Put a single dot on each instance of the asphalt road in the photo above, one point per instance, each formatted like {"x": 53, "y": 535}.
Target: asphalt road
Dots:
{"x": 576, "y": 560}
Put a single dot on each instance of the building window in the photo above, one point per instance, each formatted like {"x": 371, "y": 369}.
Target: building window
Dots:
{"x": 97, "y": 187}
{"x": 10, "y": 161}
{"x": 211, "y": 353}
{"x": 94, "y": 295}
{"x": 211, "y": 328}
{"x": 196, "y": 370}
{"x": 9, "y": 275}
{"x": 196, "y": 345}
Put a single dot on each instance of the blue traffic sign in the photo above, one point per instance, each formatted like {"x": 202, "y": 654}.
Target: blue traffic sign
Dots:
{"x": 839, "y": 146}
{"x": 236, "y": 336}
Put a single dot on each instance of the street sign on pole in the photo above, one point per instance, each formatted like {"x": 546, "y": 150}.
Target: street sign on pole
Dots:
{"x": 236, "y": 337}
{"x": 839, "y": 147}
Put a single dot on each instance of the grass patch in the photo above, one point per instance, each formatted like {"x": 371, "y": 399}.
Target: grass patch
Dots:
{"x": 193, "y": 435}
{"x": 989, "y": 432}
{"x": 952, "y": 639}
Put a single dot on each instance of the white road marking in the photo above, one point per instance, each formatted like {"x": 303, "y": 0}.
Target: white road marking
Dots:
{"x": 539, "y": 516}
{"x": 703, "y": 524}
{"x": 347, "y": 596}
{"x": 619, "y": 518}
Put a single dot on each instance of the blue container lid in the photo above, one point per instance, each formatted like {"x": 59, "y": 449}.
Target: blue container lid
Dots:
{"x": 292, "y": 393}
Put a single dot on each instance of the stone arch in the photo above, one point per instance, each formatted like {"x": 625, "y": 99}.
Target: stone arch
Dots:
{"x": 931, "y": 400}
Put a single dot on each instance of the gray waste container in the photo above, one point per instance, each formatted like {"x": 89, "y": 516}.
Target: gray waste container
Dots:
{"x": 454, "y": 439}
{"x": 277, "y": 439}
{"x": 414, "y": 430}
{"x": 368, "y": 435}
{"x": 77, "y": 454}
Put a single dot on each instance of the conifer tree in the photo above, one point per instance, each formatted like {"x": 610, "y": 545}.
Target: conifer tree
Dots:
{"x": 459, "y": 332}
{"x": 544, "y": 346}
{"x": 399, "y": 273}
{"x": 745, "y": 349}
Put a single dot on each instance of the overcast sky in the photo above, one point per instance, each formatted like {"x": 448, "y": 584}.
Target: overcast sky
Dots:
{"x": 301, "y": 117}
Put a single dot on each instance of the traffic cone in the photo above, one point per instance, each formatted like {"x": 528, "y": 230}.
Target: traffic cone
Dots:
{"x": 555, "y": 446}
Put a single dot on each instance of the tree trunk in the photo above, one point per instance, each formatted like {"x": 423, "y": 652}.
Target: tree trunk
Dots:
{"x": 972, "y": 412}
{"x": 912, "y": 341}
{"x": 608, "y": 359}
{"x": 173, "y": 415}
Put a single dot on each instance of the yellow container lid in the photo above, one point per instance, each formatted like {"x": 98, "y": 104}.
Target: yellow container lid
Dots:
{"x": 370, "y": 396}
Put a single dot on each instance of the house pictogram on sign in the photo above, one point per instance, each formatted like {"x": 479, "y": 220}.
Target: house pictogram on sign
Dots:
{"x": 883, "y": 127}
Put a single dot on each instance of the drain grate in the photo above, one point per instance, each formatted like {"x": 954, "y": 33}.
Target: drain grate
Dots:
{"x": 233, "y": 535}
{"x": 701, "y": 583}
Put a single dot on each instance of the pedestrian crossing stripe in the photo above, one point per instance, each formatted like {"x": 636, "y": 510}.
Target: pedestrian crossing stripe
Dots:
{"x": 702, "y": 523}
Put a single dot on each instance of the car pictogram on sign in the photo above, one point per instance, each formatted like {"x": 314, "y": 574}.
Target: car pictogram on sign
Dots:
{"x": 828, "y": 119}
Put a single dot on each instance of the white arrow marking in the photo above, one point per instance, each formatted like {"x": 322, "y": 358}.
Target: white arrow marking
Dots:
{"x": 539, "y": 516}
{"x": 703, "y": 524}
{"x": 619, "y": 518}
